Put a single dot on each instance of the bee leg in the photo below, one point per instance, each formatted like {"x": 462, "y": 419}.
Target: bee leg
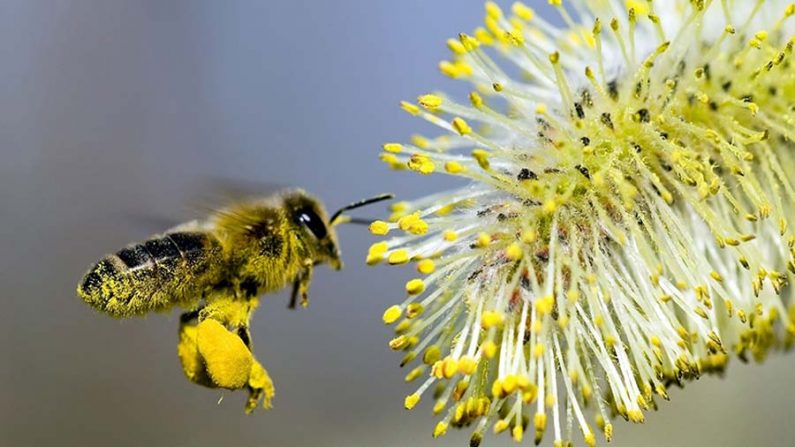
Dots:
{"x": 303, "y": 282}
{"x": 294, "y": 295}
{"x": 260, "y": 386}
{"x": 188, "y": 351}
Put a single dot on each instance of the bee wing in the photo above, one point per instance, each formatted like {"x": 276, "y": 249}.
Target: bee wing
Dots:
{"x": 211, "y": 195}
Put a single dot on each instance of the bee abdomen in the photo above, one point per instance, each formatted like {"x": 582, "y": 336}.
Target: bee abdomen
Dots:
{"x": 154, "y": 275}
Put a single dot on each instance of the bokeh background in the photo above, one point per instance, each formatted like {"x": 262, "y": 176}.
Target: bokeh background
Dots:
{"x": 111, "y": 109}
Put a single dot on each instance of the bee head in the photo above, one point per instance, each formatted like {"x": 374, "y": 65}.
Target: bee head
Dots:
{"x": 312, "y": 222}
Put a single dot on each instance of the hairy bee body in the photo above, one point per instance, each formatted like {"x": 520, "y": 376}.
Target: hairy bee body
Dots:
{"x": 247, "y": 249}
{"x": 215, "y": 270}
{"x": 175, "y": 268}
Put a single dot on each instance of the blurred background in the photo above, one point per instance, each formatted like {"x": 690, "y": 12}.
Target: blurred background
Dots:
{"x": 110, "y": 109}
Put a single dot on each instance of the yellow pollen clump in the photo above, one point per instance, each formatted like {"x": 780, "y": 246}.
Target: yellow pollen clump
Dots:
{"x": 493, "y": 10}
{"x": 398, "y": 257}
{"x": 492, "y": 318}
{"x": 523, "y": 11}
{"x": 545, "y": 304}
{"x": 394, "y": 148}
{"x": 482, "y": 157}
{"x": 461, "y": 126}
{"x": 489, "y": 349}
{"x": 467, "y": 365}
{"x": 411, "y": 401}
{"x": 430, "y": 102}
{"x": 517, "y": 433}
{"x": 440, "y": 429}
{"x": 376, "y": 253}
{"x": 456, "y": 46}
{"x": 454, "y": 167}
{"x": 426, "y": 266}
{"x": 450, "y": 235}
{"x": 483, "y": 240}
{"x": 409, "y": 107}
{"x": 379, "y": 228}
{"x": 513, "y": 252}
{"x": 415, "y": 286}
{"x": 392, "y": 314}
{"x": 413, "y": 224}
{"x": 422, "y": 164}
{"x": 500, "y": 426}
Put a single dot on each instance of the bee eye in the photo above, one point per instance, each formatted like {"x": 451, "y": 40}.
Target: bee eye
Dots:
{"x": 312, "y": 221}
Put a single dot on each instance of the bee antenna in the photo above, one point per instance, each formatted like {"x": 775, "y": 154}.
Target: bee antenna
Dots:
{"x": 379, "y": 198}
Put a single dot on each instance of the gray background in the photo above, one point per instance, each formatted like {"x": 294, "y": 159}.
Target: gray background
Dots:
{"x": 111, "y": 108}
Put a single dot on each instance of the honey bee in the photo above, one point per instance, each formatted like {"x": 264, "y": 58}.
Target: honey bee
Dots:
{"x": 215, "y": 270}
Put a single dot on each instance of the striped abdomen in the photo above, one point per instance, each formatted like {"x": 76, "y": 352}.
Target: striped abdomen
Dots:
{"x": 171, "y": 269}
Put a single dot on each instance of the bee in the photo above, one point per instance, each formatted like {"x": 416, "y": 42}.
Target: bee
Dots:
{"x": 215, "y": 270}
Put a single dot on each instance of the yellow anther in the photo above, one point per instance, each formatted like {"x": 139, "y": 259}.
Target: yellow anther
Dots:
{"x": 790, "y": 10}
{"x": 376, "y": 252}
{"x": 394, "y": 148}
{"x": 761, "y": 35}
{"x": 482, "y": 157}
{"x": 430, "y": 102}
{"x": 456, "y": 46}
{"x": 614, "y": 24}
{"x": 409, "y": 107}
{"x": 414, "y": 310}
{"x": 590, "y": 439}
{"x": 608, "y": 432}
{"x": 415, "y": 286}
{"x": 391, "y": 160}
{"x": 538, "y": 350}
{"x": 467, "y": 365}
{"x": 493, "y": 10}
{"x": 549, "y": 206}
{"x": 483, "y": 36}
{"x": 492, "y": 318}
{"x": 440, "y": 429}
{"x": 449, "y": 235}
{"x": 398, "y": 257}
{"x": 546, "y": 304}
{"x": 540, "y": 421}
{"x": 449, "y": 367}
{"x": 640, "y": 7}
{"x": 454, "y": 167}
{"x": 379, "y": 228}
{"x": 500, "y": 426}
{"x": 541, "y": 108}
{"x": 716, "y": 276}
{"x": 489, "y": 349}
{"x": 518, "y": 432}
{"x": 529, "y": 236}
{"x": 636, "y": 416}
{"x": 476, "y": 100}
{"x": 398, "y": 343}
{"x": 522, "y": 11}
{"x": 483, "y": 240}
{"x": 509, "y": 384}
{"x": 554, "y": 58}
{"x": 426, "y": 266}
{"x": 413, "y": 224}
{"x": 461, "y": 126}
{"x": 411, "y": 401}
{"x": 414, "y": 374}
{"x": 392, "y": 314}
{"x": 513, "y": 252}
{"x": 469, "y": 42}
{"x": 432, "y": 355}
{"x": 420, "y": 141}
{"x": 422, "y": 164}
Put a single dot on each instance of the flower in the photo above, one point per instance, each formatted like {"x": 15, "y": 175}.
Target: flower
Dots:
{"x": 627, "y": 222}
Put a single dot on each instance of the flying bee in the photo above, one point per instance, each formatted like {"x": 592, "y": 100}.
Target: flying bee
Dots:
{"x": 215, "y": 270}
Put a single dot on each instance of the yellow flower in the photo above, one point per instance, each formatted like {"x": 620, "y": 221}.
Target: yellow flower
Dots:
{"x": 628, "y": 221}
